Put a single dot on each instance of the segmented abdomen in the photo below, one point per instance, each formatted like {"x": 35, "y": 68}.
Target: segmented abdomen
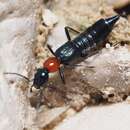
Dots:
{"x": 85, "y": 41}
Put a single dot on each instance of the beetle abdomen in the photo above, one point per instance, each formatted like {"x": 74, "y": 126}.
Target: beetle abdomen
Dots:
{"x": 93, "y": 37}
{"x": 87, "y": 42}
{"x": 84, "y": 41}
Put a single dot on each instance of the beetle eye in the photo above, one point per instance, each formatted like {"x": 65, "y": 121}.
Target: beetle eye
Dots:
{"x": 43, "y": 74}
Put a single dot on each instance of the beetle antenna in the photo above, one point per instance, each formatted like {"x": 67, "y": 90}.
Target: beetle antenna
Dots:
{"x": 18, "y": 75}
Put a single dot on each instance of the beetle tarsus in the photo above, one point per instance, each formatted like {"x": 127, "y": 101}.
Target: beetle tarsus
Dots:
{"x": 31, "y": 89}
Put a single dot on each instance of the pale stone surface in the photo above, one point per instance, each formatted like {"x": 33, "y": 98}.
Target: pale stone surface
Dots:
{"x": 113, "y": 117}
{"x": 46, "y": 116}
{"x": 17, "y": 32}
{"x": 49, "y": 18}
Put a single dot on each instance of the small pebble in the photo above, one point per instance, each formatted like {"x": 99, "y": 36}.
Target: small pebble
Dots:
{"x": 108, "y": 45}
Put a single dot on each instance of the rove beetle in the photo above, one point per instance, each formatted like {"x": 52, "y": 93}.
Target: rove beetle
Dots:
{"x": 83, "y": 45}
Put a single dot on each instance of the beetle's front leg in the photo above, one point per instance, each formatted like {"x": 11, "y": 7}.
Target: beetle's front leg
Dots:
{"x": 61, "y": 72}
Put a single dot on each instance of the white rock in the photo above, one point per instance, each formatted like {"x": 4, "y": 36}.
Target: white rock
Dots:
{"x": 49, "y": 18}
{"x": 57, "y": 37}
{"x": 17, "y": 29}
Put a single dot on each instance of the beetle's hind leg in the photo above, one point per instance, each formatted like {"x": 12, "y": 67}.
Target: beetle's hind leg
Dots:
{"x": 50, "y": 49}
{"x": 61, "y": 72}
{"x": 67, "y": 28}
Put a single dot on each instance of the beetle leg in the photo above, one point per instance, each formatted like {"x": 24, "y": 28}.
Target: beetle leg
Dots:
{"x": 77, "y": 65}
{"x": 84, "y": 54}
{"x": 61, "y": 72}
{"x": 49, "y": 47}
{"x": 67, "y": 28}
{"x": 39, "y": 99}
{"x": 31, "y": 89}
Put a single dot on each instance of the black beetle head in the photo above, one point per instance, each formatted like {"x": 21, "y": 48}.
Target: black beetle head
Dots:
{"x": 40, "y": 77}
